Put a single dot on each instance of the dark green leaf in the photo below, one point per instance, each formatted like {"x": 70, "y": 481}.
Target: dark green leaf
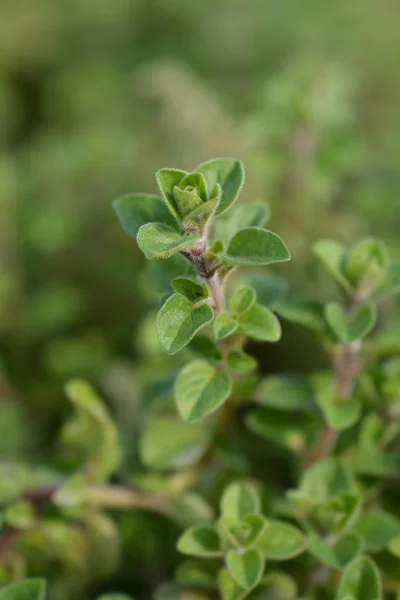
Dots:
{"x": 192, "y": 290}
{"x": 286, "y": 392}
{"x": 378, "y": 528}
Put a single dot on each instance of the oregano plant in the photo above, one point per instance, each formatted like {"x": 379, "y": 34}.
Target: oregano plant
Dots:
{"x": 280, "y": 487}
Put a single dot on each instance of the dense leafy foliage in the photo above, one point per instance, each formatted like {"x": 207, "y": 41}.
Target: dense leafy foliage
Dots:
{"x": 330, "y": 534}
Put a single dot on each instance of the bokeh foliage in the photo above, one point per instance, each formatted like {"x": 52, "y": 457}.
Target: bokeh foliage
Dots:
{"x": 94, "y": 97}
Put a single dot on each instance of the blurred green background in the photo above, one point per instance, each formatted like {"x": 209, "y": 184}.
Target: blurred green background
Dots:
{"x": 96, "y": 95}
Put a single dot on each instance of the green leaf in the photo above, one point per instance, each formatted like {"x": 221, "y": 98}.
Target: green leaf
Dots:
{"x": 197, "y": 573}
{"x": 228, "y": 587}
{"x": 391, "y": 285}
{"x": 306, "y": 313}
{"x": 281, "y": 541}
{"x": 204, "y": 347}
{"x": 135, "y": 210}
{"x": 260, "y": 324}
{"x": 168, "y": 443}
{"x": 366, "y": 265}
{"x": 375, "y": 463}
{"x": 339, "y": 513}
{"x": 239, "y": 500}
{"x": 286, "y": 392}
{"x": 161, "y": 241}
{"x": 270, "y": 288}
{"x": 192, "y": 290}
{"x": 360, "y": 581}
{"x": 249, "y": 214}
{"x": 229, "y": 174}
{"x": 349, "y": 329}
{"x": 326, "y": 478}
{"x": 322, "y": 551}
{"x": 201, "y": 541}
{"x": 255, "y": 246}
{"x": 19, "y": 515}
{"x": 243, "y": 533}
{"x": 246, "y": 567}
{"x": 394, "y": 546}
{"x": 27, "y": 589}
{"x": 240, "y": 362}
{"x": 348, "y": 547}
{"x": 196, "y": 182}
{"x": 378, "y": 528}
{"x": 93, "y": 432}
{"x": 278, "y": 427}
{"x": 243, "y": 299}
{"x": 332, "y": 256}
{"x": 167, "y": 179}
{"x": 224, "y": 325}
{"x": 178, "y": 322}
{"x": 200, "y": 389}
{"x": 339, "y": 413}
{"x": 188, "y": 509}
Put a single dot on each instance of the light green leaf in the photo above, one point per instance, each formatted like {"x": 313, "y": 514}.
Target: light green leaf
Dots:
{"x": 339, "y": 414}
{"x": 93, "y": 431}
{"x": 228, "y": 587}
{"x": 192, "y": 290}
{"x": 378, "y": 528}
{"x": 360, "y": 581}
{"x": 244, "y": 533}
{"x": 349, "y": 329}
{"x": 260, "y": 324}
{"x": 366, "y": 265}
{"x": 19, "y": 515}
{"x": 394, "y": 546}
{"x": 178, "y": 322}
{"x": 224, "y": 325}
{"x": 27, "y": 589}
{"x": 239, "y": 500}
{"x": 240, "y": 362}
{"x": 135, "y": 210}
{"x": 201, "y": 541}
{"x": 200, "y": 389}
{"x": 197, "y": 573}
{"x": 281, "y": 541}
{"x": 189, "y": 509}
{"x": 168, "y": 443}
{"x": 322, "y": 551}
{"x": 338, "y": 555}
{"x": 246, "y": 567}
{"x": 243, "y": 299}
{"x": 196, "y": 182}
{"x": 248, "y": 214}
{"x": 326, "y": 478}
{"x": 339, "y": 513}
{"x": 332, "y": 256}
{"x": 161, "y": 241}
{"x": 229, "y": 174}
{"x": 286, "y": 392}
{"x": 167, "y": 179}
{"x": 255, "y": 246}
{"x": 391, "y": 285}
